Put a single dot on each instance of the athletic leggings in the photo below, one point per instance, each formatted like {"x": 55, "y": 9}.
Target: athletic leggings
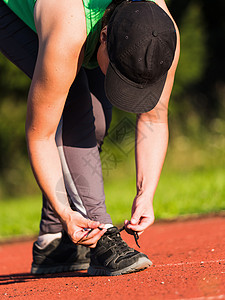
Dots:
{"x": 84, "y": 123}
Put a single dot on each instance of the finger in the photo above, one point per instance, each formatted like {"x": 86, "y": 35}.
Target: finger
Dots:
{"x": 92, "y": 224}
{"x": 102, "y": 226}
{"x": 79, "y": 234}
{"x": 84, "y": 222}
{"x": 129, "y": 231}
{"x": 92, "y": 240}
{"x": 136, "y": 217}
{"x": 137, "y": 228}
{"x": 144, "y": 223}
{"x": 90, "y": 235}
{"x": 140, "y": 232}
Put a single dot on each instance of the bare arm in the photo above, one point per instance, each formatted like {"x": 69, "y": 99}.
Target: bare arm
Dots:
{"x": 61, "y": 30}
{"x": 151, "y": 151}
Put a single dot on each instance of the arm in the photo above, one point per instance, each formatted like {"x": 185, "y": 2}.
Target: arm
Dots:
{"x": 151, "y": 150}
{"x": 61, "y": 30}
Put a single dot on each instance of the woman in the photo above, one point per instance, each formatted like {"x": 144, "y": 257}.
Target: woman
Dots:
{"x": 138, "y": 53}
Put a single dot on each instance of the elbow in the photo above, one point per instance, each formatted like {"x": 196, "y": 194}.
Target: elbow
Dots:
{"x": 159, "y": 115}
{"x": 35, "y": 134}
{"x": 28, "y": 131}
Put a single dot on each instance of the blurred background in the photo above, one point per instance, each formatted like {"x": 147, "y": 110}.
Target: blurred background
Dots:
{"x": 193, "y": 176}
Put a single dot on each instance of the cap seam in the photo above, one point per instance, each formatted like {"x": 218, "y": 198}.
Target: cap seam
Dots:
{"x": 132, "y": 48}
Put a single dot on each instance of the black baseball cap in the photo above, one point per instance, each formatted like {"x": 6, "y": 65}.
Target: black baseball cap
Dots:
{"x": 141, "y": 43}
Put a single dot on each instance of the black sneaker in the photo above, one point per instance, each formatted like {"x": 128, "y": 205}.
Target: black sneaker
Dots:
{"x": 61, "y": 255}
{"x": 112, "y": 256}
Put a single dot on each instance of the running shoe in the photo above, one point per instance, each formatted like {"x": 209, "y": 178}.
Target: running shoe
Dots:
{"x": 61, "y": 255}
{"x": 112, "y": 256}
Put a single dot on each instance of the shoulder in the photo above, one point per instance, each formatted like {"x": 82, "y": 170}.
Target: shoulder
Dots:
{"x": 172, "y": 70}
{"x": 65, "y": 18}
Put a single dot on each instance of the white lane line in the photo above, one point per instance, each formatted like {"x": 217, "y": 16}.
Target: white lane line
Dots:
{"x": 192, "y": 263}
{"x": 205, "y": 298}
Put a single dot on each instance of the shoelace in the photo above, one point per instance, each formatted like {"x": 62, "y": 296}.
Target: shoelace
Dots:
{"x": 134, "y": 233}
{"x": 115, "y": 239}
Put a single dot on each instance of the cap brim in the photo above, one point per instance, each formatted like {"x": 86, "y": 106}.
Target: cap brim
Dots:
{"x": 131, "y": 98}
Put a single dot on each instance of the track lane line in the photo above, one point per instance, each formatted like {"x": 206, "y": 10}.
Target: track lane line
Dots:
{"x": 192, "y": 263}
{"x": 218, "y": 297}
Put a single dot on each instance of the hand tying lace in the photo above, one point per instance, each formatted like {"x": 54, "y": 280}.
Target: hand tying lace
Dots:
{"x": 134, "y": 233}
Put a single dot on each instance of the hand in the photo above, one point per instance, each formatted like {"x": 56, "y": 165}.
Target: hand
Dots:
{"x": 81, "y": 230}
{"x": 142, "y": 214}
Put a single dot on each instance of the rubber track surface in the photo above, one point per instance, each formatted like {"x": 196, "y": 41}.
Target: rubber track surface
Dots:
{"x": 188, "y": 263}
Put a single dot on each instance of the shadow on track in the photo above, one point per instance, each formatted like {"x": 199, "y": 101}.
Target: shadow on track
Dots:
{"x": 26, "y": 277}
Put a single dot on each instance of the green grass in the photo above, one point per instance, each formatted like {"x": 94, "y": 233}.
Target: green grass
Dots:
{"x": 178, "y": 193}
{"x": 20, "y": 216}
{"x": 192, "y": 182}
{"x": 198, "y": 191}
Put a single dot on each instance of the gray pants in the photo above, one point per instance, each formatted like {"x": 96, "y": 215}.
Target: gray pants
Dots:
{"x": 84, "y": 123}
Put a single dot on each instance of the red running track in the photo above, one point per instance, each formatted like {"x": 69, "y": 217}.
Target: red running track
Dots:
{"x": 188, "y": 263}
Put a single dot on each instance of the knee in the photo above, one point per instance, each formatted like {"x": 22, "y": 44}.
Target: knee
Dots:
{"x": 102, "y": 120}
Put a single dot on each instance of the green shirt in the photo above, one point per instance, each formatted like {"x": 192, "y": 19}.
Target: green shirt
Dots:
{"x": 94, "y": 10}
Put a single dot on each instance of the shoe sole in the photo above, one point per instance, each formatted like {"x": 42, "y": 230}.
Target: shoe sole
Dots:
{"x": 141, "y": 264}
{"x": 58, "y": 269}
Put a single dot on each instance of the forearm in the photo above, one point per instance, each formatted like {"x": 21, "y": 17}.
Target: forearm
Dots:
{"x": 46, "y": 166}
{"x": 150, "y": 154}
{"x": 151, "y": 146}
{"x": 45, "y": 104}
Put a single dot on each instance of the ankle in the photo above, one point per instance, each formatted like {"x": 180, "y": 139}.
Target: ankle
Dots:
{"x": 45, "y": 239}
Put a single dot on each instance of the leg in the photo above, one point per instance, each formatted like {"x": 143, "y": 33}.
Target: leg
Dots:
{"x": 101, "y": 106}
{"x": 81, "y": 160}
